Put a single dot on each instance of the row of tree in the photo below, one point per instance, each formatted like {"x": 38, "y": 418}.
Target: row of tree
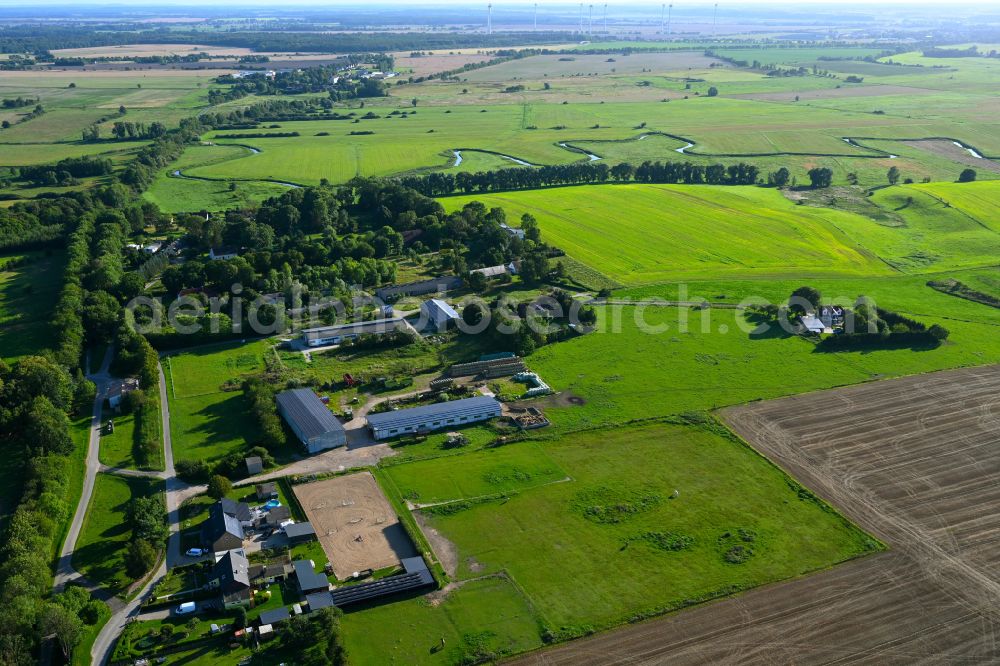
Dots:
{"x": 524, "y": 178}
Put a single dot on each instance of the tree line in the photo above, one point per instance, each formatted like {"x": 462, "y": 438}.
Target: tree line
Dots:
{"x": 525, "y": 178}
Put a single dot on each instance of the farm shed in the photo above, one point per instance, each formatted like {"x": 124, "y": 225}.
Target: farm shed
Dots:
{"x": 221, "y": 531}
{"x": 300, "y": 533}
{"x": 415, "y": 576}
{"x": 433, "y": 417}
{"x": 433, "y": 286}
{"x": 254, "y": 465}
{"x": 319, "y": 600}
{"x": 334, "y": 335}
{"x": 309, "y": 580}
{"x": 274, "y": 616}
{"x": 438, "y": 313}
{"x": 315, "y": 425}
{"x": 811, "y": 324}
{"x": 266, "y": 491}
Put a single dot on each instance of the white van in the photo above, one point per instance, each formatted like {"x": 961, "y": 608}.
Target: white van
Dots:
{"x": 187, "y": 607}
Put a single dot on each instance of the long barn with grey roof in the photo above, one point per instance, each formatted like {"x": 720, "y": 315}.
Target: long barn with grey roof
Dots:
{"x": 432, "y": 417}
{"x": 315, "y": 425}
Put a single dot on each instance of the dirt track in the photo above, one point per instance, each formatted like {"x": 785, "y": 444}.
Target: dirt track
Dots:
{"x": 916, "y": 461}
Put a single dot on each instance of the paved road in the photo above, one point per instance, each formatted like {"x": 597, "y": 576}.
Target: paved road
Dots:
{"x": 176, "y": 492}
{"x": 65, "y": 572}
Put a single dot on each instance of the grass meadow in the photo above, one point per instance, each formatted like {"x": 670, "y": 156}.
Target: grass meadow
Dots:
{"x": 489, "y": 614}
{"x": 647, "y": 543}
{"x": 101, "y": 548}
{"x": 206, "y": 423}
{"x": 662, "y": 232}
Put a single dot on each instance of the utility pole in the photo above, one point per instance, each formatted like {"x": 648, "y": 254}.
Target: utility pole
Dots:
{"x": 670, "y": 10}
{"x": 489, "y": 19}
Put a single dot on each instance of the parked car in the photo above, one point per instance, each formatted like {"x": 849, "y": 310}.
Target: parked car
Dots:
{"x": 187, "y": 607}
{"x": 195, "y": 552}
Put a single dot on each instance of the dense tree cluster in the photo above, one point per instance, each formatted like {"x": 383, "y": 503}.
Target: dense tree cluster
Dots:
{"x": 65, "y": 171}
{"x": 36, "y": 397}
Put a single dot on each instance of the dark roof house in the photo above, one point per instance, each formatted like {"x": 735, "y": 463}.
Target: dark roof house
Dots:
{"x": 221, "y": 531}
{"x": 238, "y": 510}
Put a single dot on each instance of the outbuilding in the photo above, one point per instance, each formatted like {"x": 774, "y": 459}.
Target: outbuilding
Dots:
{"x": 432, "y": 417}
{"x": 300, "y": 533}
{"x": 311, "y": 421}
{"x": 438, "y": 313}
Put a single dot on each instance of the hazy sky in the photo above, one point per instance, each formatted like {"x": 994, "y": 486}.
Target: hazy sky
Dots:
{"x": 333, "y": 4}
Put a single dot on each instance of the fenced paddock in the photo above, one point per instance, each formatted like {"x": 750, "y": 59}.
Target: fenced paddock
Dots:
{"x": 355, "y": 524}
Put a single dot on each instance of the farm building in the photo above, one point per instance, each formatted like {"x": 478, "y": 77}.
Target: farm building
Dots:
{"x": 315, "y": 425}
{"x": 497, "y": 271}
{"x": 220, "y": 531}
{"x": 334, "y": 335}
{"x": 438, "y": 313}
{"x": 415, "y": 576}
{"x": 221, "y": 253}
{"x": 517, "y": 233}
{"x": 319, "y": 600}
{"x": 811, "y": 324}
{"x": 309, "y": 580}
{"x": 432, "y": 417}
{"x": 436, "y": 285}
{"x": 300, "y": 533}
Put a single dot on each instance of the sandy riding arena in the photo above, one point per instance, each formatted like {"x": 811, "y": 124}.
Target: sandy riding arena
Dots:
{"x": 355, "y": 523}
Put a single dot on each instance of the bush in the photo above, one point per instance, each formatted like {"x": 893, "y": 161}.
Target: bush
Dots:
{"x": 219, "y": 486}
{"x": 139, "y": 558}
{"x": 193, "y": 471}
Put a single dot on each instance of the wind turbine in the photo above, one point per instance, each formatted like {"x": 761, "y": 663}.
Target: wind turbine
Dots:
{"x": 590, "y": 22}
{"x": 715, "y": 16}
{"x": 536, "y": 17}
{"x": 605, "y": 18}
{"x": 662, "y": 8}
{"x": 670, "y": 10}
{"x": 581, "y": 19}
{"x": 489, "y": 19}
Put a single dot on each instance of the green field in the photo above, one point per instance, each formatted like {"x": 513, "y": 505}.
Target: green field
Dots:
{"x": 105, "y": 535}
{"x": 484, "y": 473}
{"x": 27, "y": 294}
{"x": 489, "y": 614}
{"x": 664, "y": 534}
{"x": 206, "y": 422}
{"x": 662, "y": 232}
